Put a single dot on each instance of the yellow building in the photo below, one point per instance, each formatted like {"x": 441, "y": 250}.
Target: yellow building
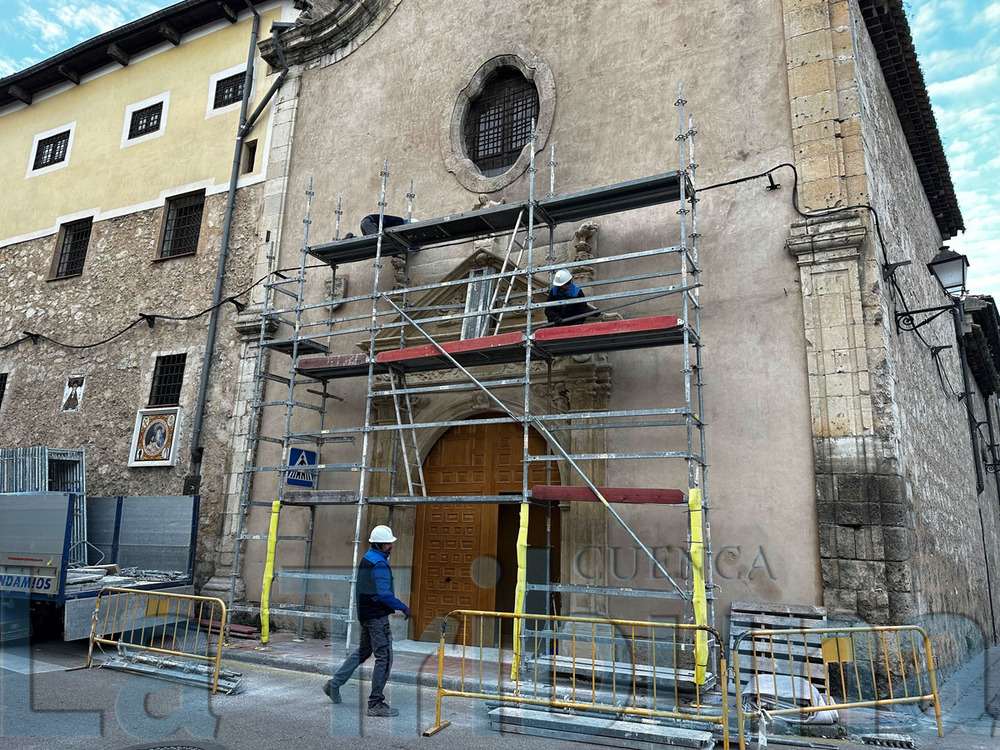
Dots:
{"x": 133, "y": 191}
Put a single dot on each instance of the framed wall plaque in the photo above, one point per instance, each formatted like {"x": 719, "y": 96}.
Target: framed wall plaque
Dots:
{"x": 156, "y": 437}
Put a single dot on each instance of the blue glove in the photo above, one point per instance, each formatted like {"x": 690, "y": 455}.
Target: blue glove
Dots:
{"x": 406, "y": 612}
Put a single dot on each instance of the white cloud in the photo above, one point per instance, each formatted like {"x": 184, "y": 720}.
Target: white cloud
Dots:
{"x": 985, "y": 80}
{"x": 92, "y": 18}
{"x": 49, "y": 29}
{"x": 990, "y": 15}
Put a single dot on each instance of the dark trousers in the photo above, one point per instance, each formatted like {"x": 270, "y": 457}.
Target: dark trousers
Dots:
{"x": 376, "y": 638}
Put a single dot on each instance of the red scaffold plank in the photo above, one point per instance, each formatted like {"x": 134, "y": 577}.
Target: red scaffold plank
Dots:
{"x": 612, "y": 335}
{"x": 340, "y": 366}
{"x": 506, "y": 347}
{"x": 555, "y": 493}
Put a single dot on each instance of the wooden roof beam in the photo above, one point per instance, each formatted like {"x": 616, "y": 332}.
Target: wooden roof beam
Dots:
{"x": 117, "y": 54}
{"x": 228, "y": 12}
{"x": 69, "y": 75}
{"x": 20, "y": 93}
{"x": 169, "y": 33}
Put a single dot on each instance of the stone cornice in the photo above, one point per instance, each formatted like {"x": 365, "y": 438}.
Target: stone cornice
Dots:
{"x": 828, "y": 238}
{"x": 337, "y": 32}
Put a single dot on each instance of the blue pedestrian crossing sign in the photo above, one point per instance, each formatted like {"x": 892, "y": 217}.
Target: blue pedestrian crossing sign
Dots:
{"x": 301, "y": 477}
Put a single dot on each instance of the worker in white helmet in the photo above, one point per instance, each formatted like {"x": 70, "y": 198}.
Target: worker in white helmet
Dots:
{"x": 573, "y": 310}
{"x": 376, "y": 600}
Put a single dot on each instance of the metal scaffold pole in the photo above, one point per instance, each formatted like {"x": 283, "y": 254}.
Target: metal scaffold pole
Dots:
{"x": 490, "y": 342}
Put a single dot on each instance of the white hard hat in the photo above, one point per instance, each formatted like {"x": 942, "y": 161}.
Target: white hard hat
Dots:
{"x": 561, "y": 277}
{"x": 381, "y": 535}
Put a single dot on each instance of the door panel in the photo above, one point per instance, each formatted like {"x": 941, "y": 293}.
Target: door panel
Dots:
{"x": 474, "y": 459}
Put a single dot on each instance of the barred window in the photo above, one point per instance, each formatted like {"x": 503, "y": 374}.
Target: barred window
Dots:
{"x": 145, "y": 120}
{"x": 183, "y": 225}
{"x": 51, "y": 150}
{"x": 498, "y": 123}
{"x": 168, "y": 374}
{"x": 3, "y": 386}
{"x": 73, "y": 250}
{"x": 229, "y": 90}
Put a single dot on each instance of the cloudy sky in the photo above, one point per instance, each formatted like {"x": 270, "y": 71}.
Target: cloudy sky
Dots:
{"x": 958, "y": 43}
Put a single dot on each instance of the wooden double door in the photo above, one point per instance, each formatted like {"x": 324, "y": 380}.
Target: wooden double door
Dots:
{"x": 464, "y": 555}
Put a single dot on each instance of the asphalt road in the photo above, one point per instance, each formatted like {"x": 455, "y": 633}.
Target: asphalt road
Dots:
{"x": 44, "y": 706}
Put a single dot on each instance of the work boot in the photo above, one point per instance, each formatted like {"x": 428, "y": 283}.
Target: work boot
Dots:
{"x": 383, "y": 709}
{"x": 332, "y": 693}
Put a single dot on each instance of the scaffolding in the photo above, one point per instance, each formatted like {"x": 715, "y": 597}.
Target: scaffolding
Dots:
{"x": 501, "y": 325}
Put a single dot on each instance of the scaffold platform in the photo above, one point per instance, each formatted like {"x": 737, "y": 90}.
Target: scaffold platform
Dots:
{"x": 546, "y": 343}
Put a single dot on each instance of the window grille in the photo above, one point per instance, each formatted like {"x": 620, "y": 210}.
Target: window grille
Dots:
{"x": 168, "y": 374}
{"x": 73, "y": 251}
{"x": 229, "y": 90}
{"x": 145, "y": 120}
{"x": 180, "y": 235}
{"x": 3, "y": 386}
{"x": 51, "y": 150}
{"x": 499, "y": 121}
{"x": 478, "y": 299}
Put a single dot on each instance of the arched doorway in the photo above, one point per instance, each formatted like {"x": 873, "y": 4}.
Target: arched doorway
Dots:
{"x": 464, "y": 554}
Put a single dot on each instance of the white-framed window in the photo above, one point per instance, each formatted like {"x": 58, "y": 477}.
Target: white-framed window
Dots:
{"x": 145, "y": 120}
{"x": 50, "y": 150}
{"x": 225, "y": 90}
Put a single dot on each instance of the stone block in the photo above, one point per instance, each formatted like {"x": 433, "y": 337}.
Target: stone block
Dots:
{"x": 813, "y": 108}
{"x": 840, "y": 384}
{"x": 840, "y": 601}
{"x": 857, "y": 189}
{"x": 809, "y": 47}
{"x": 823, "y": 194}
{"x": 899, "y": 577}
{"x": 894, "y": 514}
{"x": 891, "y": 489}
{"x": 810, "y": 78}
{"x": 827, "y": 541}
{"x": 902, "y": 607}
{"x": 854, "y": 163}
{"x": 847, "y": 103}
{"x": 824, "y": 488}
{"x": 850, "y": 488}
{"x": 852, "y": 514}
{"x": 826, "y": 514}
{"x": 846, "y": 543}
{"x": 824, "y": 131}
{"x": 898, "y": 543}
{"x": 837, "y": 335}
{"x": 851, "y": 574}
{"x": 831, "y": 573}
{"x": 874, "y": 607}
{"x": 806, "y": 19}
{"x": 840, "y": 14}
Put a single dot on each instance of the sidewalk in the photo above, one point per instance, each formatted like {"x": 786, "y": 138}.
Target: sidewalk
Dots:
{"x": 969, "y": 696}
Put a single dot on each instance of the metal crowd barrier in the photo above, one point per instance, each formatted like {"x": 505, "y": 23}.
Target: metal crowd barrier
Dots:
{"x": 179, "y": 625}
{"x": 589, "y": 664}
{"x": 809, "y": 675}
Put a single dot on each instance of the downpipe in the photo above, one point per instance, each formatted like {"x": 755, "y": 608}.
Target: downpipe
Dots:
{"x": 192, "y": 484}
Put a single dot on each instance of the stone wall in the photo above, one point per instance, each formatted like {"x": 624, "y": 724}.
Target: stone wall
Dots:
{"x": 899, "y": 515}
{"x": 120, "y": 280}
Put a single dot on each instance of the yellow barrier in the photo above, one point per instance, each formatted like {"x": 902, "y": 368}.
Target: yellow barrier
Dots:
{"x": 815, "y": 672}
{"x": 161, "y": 623}
{"x": 616, "y": 666}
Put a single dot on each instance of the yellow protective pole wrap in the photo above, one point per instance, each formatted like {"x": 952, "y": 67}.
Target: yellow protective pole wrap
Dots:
{"x": 698, "y": 576}
{"x": 265, "y": 590}
{"x": 519, "y": 589}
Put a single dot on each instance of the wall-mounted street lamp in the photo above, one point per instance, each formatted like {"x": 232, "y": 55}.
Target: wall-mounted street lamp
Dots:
{"x": 951, "y": 271}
